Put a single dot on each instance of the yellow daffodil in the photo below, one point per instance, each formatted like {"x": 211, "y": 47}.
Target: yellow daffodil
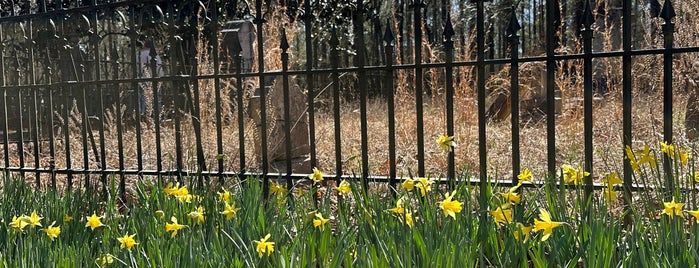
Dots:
{"x": 668, "y": 149}
{"x": 424, "y": 185}
{"x": 230, "y": 211}
{"x": 450, "y": 207}
{"x": 172, "y": 188}
{"x": 127, "y": 241}
{"x": 512, "y": 196}
{"x": 574, "y": 175}
{"x": 277, "y": 189}
{"x": 409, "y": 219}
{"x": 647, "y": 157}
{"x": 612, "y": 179}
{"x": 696, "y": 176}
{"x": 632, "y": 158}
{"x": 104, "y": 260}
{"x": 408, "y": 184}
{"x": 197, "y": 216}
{"x": 159, "y": 214}
{"x": 399, "y": 209}
{"x": 609, "y": 194}
{"x": 694, "y": 213}
{"x": 446, "y": 142}
{"x": 684, "y": 156}
{"x": 94, "y": 221}
{"x": 319, "y": 221}
{"x": 173, "y": 227}
{"x": 316, "y": 176}
{"x": 522, "y": 231}
{"x": 19, "y": 222}
{"x": 33, "y": 220}
{"x": 503, "y": 214}
{"x": 52, "y": 232}
{"x": 263, "y": 246}
{"x": 67, "y": 218}
{"x": 224, "y": 196}
{"x": 545, "y": 223}
{"x": 526, "y": 175}
{"x": 672, "y": 208}
{"x": 344, "y": 188}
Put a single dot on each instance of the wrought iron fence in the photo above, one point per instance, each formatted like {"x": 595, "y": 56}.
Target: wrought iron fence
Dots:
{"x": 72, "y": 78}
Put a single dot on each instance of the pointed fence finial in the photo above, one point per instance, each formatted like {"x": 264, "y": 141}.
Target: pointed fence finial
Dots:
{"x": 334, "y": 41}
{"x": 668, "y": 12}
{"x": 654, "y": 8}
{"x": 284, "y": 44}
{"x": 587, "y": 18}
{"x": 514, "y": 25}
{"x": 388, "y": 37}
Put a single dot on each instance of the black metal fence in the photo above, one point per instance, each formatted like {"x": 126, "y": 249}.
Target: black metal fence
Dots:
{"x": 72, "y": 80}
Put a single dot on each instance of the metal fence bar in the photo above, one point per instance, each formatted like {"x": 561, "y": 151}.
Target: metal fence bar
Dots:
{"x": 238, "y": 59}
{"x": 668, "y": 13}
{"x": 389, "y": 41}
{"x": 259, "y": 20}
{"x": 133, "y": 35}
{"x": 20, "y": 115}
{"x": 308, "y": 25}
{"x": 513, "y": 27}
{"x": 551, "y": 86}
{"x": 362, "y": 85}
{"x": 480, "y": 88}
{"x": 3, "y": 82}
{"x": 627, "y": 97}
{"x": 335, "y": 62}
{"x": 587, "y": 21}
{"x": 96, "y": 40}
{"x": 284, "y": 45}
{"x": 34, "y": 107}
{"x": 449, "y": 80}
{"x": 419, "y": 114}
{"x": 215, "y": 26}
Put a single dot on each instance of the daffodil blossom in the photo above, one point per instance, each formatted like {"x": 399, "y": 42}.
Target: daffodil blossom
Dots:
{"x": 544, "y": 223}
{"x": 450, "y": 207}
{"x": 263, "y": 246}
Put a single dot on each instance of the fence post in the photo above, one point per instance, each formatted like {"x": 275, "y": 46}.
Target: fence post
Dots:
{"x": 551, "y": 31}
{"x": 215, "y": 27}
{"x": 308, "y": 22}
{"x": 449, "y": 80}
{"x": 362, "y": 85}
{"x": 259, "y": 20}
{"x": 587, "y": 20}
{"x": 417, "y": 6}
{"x": 284, "y": 45}
{"x": 512, "y": 29}
{"x": 627, "y": 102}
{"x": 389, "y": 43}
{"x": 668, "y": 13}
{"x": 334, "y": 54}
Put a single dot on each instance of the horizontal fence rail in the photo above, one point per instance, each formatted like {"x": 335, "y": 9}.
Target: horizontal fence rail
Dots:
{"x": 212, "y": 90}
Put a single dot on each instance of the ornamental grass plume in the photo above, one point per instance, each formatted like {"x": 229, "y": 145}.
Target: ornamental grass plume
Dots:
{"x": 450, "y": 207}
{"x": 446, "y": 143}
{"x": 673, "y": 208}
{"x": 544, "y": 223}
{"x": 93, "y": 221}
{"x": 344, "y": 188}
{"x": 263, "y": 246}
{"x": 51, "y": 231}
{"x": 127, "y": 241}
{"x": 316, "y": 176}
{"x": 173, "y": 227}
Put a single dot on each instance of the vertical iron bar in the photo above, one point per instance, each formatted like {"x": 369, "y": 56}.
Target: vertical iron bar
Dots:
{"x": 627, "y": 98}
{"x": 668, "y": 13}
{"x": 480, "y": 70}
{"x": 133, "y": 35}
{"x": 389, "y": 43}
{"x": 417, "y": 6}
{"x": 335, "y": 51}
{"x": 308, "y": 21}
{"x": 284, "y": 45}
{"x": 362, "y": 83}
{"x": 34, "y": 105}
{"x": 514, "y": 93}
{"x": 5, "y": 123}
{"x": 550, "y": 88}
{"x": 215, "y": 28}
{"x": 20, "y": 118}
{"x": 587, "y": 21}
{"x": 238, "y": 58}
{"x": 52, "y": 144}
{"x": 449, "y": 79}
{"x": 259, "y": 20}
{"x": 153, "y": 66}
{"x": 80, "y": 77}
{"x": 98, "y": 76}
{"x": 178, "y": 86}
{"x": 119, "y": 118}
